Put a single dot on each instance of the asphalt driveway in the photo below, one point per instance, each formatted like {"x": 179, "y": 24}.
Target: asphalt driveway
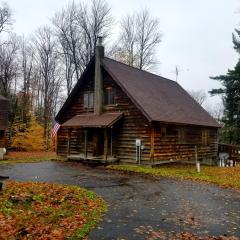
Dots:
{"x": 144, "y": 208}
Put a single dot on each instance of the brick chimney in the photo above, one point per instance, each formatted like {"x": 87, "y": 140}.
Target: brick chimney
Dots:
{"x": 98, "y": 79}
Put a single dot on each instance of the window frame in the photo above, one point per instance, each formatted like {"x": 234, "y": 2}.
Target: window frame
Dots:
{"x": 205, "y": 138}
{"x": 88, "y": 100}
{"x": 110, "y": 95}
{"x": 182, "y": 135}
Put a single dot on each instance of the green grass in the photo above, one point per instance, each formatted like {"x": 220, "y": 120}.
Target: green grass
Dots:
{"x": 27, "y": 157}
{"x": 227, "y": 177}
{"x": 25, "y": 160}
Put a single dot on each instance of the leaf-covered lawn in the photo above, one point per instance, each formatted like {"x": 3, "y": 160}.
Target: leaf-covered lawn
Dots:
{"x": 48, "y": 211}
{"x": 227, "y": 176}
{"x": 25, "y": 157}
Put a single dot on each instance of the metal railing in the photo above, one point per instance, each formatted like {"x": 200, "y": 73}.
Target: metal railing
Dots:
{"x": 232, "y": 150}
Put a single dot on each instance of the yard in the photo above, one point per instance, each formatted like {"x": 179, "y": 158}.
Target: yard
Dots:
{"x": 224, "y": 176}
{"x": 138, "y": 207}
{"x": 23, "y": 157}
{"x": 47, "y": 211}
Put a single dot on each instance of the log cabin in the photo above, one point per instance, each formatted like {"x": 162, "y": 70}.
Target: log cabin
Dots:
{"x": 3, "y": 120}
{"x": 118, "y": 112}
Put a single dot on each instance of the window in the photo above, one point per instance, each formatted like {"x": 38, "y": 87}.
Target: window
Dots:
{"x": 181, "y": 135}
{"x": 171, "y": 131}
{"x": 1, "y": 133}
{"x": 205, "y": 138}
{"x": 109, "y": 96}
{"x": 88, "y": 99}
{"x": 163, "y": 131}
{"x": 168, "y": 131}
{"x": 89, "y": 135}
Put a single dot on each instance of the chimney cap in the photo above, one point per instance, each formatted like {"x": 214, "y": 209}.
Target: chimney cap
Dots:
{"x": 99, "y": 40}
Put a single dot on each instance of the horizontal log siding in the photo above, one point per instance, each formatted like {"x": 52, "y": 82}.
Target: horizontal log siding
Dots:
{"x": 169, "y": 147}
{"x": 77, "y": 107}
{"x": 133, "y": 125}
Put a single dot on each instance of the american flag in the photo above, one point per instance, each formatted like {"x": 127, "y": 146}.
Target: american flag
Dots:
{"x": 55, "y": 129}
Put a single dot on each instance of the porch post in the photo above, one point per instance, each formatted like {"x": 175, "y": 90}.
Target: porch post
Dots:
{"x": 152, "y": 140}
{"x": 85, "y": 143}
{"x": 111, "y": 143}
{"x": 69, "y": 141}
{"x": 105, "y": 144}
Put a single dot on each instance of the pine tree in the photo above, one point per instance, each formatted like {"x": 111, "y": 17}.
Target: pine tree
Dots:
{"x": 231, "y": 98}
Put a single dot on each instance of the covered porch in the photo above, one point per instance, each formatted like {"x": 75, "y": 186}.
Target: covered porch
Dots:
{"x": 92, "y": 137}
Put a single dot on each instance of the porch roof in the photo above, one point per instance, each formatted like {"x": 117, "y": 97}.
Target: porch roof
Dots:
{"x": 92, "y": 120}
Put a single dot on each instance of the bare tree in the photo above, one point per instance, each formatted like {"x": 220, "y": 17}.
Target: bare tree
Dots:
{"x": 139, "y": 37}
{"x": 94, "y": 21}
{"x": 5, "y": 17}
{"x": 148, "y": 37}
{"x": 128, "y": 40}
{"x": 47, "y": 62}
{"x": 26, "y": 57}
{"x": 8, "y": 65}
{"x": 216, "y": 111}
{"x": 69, "y": 37}
{"x": 77, "y": 28}
{"x": 199, "y": 95}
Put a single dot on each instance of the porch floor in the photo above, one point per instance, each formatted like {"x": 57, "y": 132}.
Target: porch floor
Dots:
{"x": 91, "y": 159}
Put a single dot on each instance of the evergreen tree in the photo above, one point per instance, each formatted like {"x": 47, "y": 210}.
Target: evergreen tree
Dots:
{"x": 231, "y": 98}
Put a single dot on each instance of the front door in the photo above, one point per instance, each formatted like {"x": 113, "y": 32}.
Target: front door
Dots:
{"x": 98, "y": 142}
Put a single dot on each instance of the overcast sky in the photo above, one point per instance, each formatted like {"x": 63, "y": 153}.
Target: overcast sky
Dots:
{"x": 197, "y": 35}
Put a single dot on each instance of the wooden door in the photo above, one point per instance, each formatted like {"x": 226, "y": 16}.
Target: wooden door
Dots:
{"x": 98, "y": 142}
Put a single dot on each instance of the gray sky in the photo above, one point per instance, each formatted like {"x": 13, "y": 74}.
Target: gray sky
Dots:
{"x": 197, "y": 35}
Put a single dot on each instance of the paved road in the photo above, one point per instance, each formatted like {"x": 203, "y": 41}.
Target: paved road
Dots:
{"x": 141, "y": 208}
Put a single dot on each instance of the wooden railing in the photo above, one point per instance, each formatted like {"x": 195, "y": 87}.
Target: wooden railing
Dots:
{"x": 232, "y": 150}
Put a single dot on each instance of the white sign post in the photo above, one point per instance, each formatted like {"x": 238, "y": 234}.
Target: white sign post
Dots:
{"x": 138, "y": 151}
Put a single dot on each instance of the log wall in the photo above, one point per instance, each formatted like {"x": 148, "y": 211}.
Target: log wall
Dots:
{"x": 77, "y": 107}
{"x": 161, "y": 141}
{"x": 178, "y": 142}
{"x": 133, "y": 125}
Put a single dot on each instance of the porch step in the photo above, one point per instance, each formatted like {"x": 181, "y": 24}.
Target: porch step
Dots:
{"x": 91, "y": 160}
{"x": 2, "y": 178}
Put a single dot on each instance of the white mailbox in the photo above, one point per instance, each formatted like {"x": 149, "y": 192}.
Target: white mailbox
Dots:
{"x": 138, "y": 142}
{"x": 2, "y": 153}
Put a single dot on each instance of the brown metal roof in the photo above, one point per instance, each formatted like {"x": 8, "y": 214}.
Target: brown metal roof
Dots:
{"x": 4, "y": 107}
{"x": 160, "y": 99}
{"x": 92, "y": 120}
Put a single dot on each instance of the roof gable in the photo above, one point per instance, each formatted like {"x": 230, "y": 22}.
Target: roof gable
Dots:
{"x": 158, "y": 98}
{"x": 75, "y": 90}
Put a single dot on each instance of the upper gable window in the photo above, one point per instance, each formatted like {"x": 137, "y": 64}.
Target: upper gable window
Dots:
{"x": 109, "y": 95}
{"x": 88, "y": 99}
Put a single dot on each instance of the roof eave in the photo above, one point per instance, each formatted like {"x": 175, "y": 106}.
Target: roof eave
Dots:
{"x": 217, "y": 125}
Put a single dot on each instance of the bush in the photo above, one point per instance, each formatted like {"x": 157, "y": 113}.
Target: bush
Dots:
{"x": 31, "y": 139}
